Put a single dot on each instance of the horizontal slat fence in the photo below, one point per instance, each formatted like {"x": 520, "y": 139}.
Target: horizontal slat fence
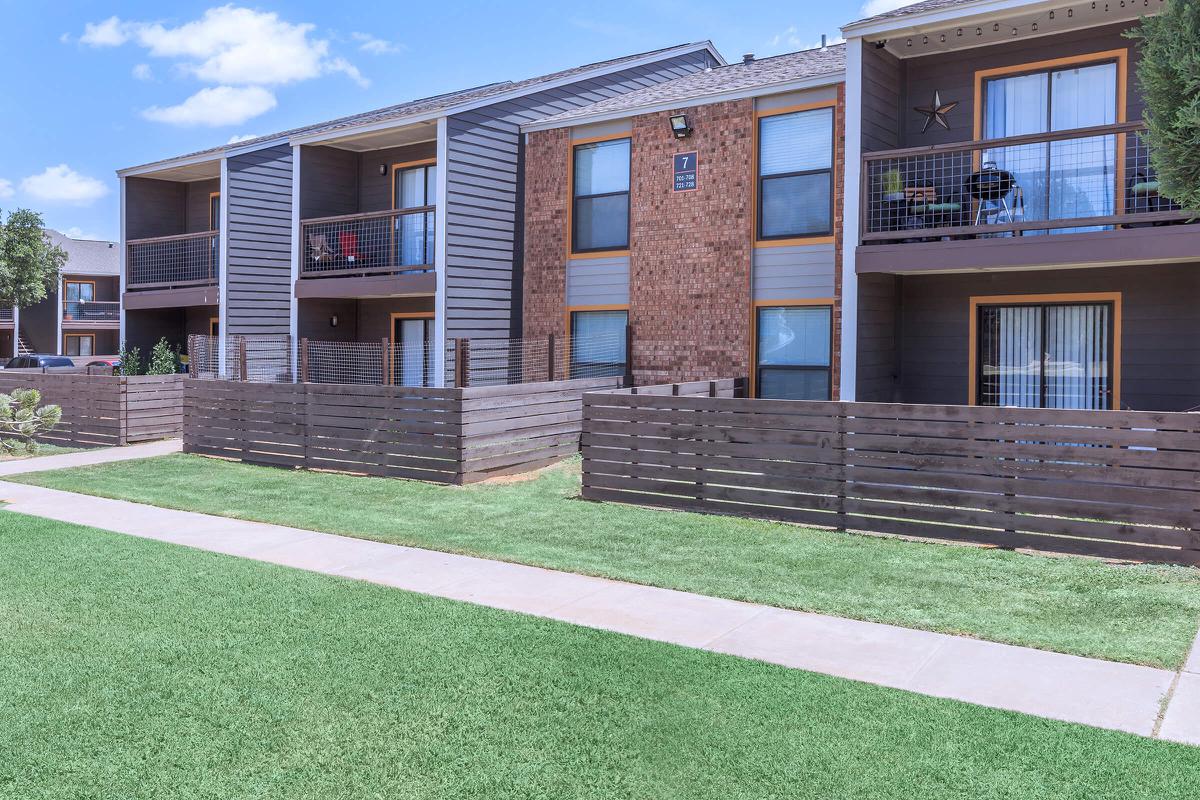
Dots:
{"x": 104, "y": 410}
{"x": 450, "y": 436}
{"x": 1105, "y": 483}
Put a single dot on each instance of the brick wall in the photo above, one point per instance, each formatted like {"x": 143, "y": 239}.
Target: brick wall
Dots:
{"x": 690, "y": 259}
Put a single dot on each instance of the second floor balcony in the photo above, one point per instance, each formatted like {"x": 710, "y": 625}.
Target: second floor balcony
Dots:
{"x": 173, "y": 262}
{"x": 390, "y": 252}
{"x": 91, "y": 313}
{"x": 1033, "y": 188}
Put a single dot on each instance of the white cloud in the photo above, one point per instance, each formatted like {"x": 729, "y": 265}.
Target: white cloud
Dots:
{"x": 6, "y": 189}
{"x": 76, "y": 232}
{"x": 873, "y": 7}
{"x": 241, "y": 137}
{"x": 374, "y": 45}
{"x": 790, "y": 39}
{"x": 230, "y": 45}
{"x": 143, "y": 72}
{"x": 216, "y": 106}
{"x": 61, "y": 184}
{"x": 109, "y": 33}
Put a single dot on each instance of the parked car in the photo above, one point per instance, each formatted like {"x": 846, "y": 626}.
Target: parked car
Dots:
{"x": 34, "y": 361}
{"x": 112, "y": 363}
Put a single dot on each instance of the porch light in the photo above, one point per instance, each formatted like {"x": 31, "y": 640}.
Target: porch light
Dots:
{"x": 382, "y": 170}
{"x": 680, "y": 127}
{"x": 333, "y": 321}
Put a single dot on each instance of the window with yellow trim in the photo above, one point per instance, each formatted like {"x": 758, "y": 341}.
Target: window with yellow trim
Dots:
{"x": 600, "y": 196}
{"x": 80, "y": 345}
{"x": 794, "y": 352}
{"x": 795, "y": 174}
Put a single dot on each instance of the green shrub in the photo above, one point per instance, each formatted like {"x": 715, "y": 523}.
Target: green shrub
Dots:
{"x": 164, "y": 360}
{"x": 131, "y": 360}
{"x": 23, "y": 419}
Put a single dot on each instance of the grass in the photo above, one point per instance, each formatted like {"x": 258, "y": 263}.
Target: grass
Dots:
{"x": 43, "y": 450}
{"x": 137, "y": 669}
{"x": 1145, "y": 614}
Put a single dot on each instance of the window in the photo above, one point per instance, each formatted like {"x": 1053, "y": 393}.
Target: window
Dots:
{"x": 795, "y": 174}
{"x": 411, "y": 354}
{"x": 214, "y": 211}
{"x": 1049, "y": 355}
{"x": 600, "y": 201}
{"x": 598, "y": 343}
{"x": 1068, "y": 178}
{"x": 76, "y": 296}
{"x": 414, "y": 187}
{"x": 214, "y": 326}
{"x": 80, "y": 344}
{"x": 793, "y": 352}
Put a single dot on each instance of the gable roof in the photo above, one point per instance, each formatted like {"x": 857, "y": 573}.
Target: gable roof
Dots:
{"x": 916, "y": 8}
{"x": 87, "y": 256}
{"x": 441, "y": 104}
{"x": 763, "y": 73}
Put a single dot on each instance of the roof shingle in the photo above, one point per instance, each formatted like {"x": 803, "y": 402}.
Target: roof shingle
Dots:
{"x": 915, "y": 8}
{"x": 760, "y": 72}
{"x": 87, "y": 256}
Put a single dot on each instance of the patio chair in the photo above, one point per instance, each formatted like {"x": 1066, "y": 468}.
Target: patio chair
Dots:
{"x": 319, "y": 250}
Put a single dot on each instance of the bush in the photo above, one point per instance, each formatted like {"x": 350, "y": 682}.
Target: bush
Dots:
{"x": 1169, "y": 76}
{"x": 164, "y": 360}
{"x": 23, "y": 419}
{"x": 131, "y": 361}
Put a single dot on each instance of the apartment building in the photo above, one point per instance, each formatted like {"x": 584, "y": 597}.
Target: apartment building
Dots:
{"x": 80, "y": 316}
{"x": 705, "y": 213}
{"x": 1009, "y": 245}
{"x": 400, "y": 224}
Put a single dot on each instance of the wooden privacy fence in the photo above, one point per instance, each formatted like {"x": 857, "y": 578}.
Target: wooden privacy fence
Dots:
{"x": 441, "y": 435}
{"x": 1105, "y": 483}
{"x": 105, "y": 410}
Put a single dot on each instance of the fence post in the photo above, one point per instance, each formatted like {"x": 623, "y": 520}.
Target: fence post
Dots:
{"x": 462, "y": 363}
{"x": 242, "y": 359}
{"x": 628, "y": 355}
{"x": 384, "y": 362}
{"x": 550, "y": 357}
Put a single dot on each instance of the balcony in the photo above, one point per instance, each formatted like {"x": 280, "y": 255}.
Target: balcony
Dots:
{"x": 380, "y": 253}
{"x": 172, "y": 262}
{"x": 6, "y": 317}
{"x": 91, "y": 313}
{"x": 1082, "y": 197}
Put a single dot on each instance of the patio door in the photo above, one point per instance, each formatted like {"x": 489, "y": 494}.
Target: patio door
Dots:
{"x": 1052, "y": 355}
{"x": 414, "y": 187}
{"x": 412, "y": 355}
{"x": 1063, "y": 179}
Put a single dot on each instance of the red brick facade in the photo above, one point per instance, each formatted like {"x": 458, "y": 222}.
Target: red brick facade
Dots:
{"x": 690, "y": 302}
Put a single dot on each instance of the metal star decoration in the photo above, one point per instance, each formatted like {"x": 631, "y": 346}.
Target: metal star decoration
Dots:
{"x": 936, "y": 112}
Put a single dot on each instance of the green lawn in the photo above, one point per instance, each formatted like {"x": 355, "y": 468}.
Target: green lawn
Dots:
{"x": 137, "y": 669}
{"x": 1145, "y": 615}
{"x": 43, "y": 450}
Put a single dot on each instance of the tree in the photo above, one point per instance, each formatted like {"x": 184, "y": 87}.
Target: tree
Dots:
{"x": 163, "y": 359}
{"x": 29, "y": 263}
{"x": 131, "y": 360}
{"x": 23, "y": 419}
{"x": 1169, "y": 76}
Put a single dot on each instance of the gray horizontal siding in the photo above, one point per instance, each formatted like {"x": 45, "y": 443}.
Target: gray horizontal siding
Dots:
{"x": 259, "y": 246}
{"x": 598, "y": 281}
{"x": 484, "y": 194}
{"x": 803, "y": 272}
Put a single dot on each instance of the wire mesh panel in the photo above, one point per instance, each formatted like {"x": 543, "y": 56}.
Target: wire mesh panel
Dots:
{"x": 343, "y": 362}
{"x": 1067, "y": 181}
{"x": 386, "y": 242}
{"x": 204, "y": 357}
{"x": 261, "y": 359}
{"x": 166, "y": 261}
{"x": 90, "y": 311}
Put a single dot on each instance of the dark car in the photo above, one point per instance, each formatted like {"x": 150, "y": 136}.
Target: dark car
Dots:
{"x": 34, "y": 361}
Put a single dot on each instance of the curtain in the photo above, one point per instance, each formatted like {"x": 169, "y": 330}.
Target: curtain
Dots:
{"x": 598, "y": 342}
{"x": 1014, "y": 107}
{"x": 412, "y": 352}
{"x": 794, "y": 164}
{"x": 1083, "y": 171}
{"x": 1077, "y": 373}
{"x": 794, "y": 346}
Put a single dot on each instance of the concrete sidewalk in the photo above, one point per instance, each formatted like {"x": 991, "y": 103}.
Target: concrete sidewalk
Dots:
{"x": 1088, "y": 691}
{"x": 86, "y": 458}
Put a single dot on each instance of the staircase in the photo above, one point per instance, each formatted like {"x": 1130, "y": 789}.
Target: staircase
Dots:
{"x": 23, "y": 348}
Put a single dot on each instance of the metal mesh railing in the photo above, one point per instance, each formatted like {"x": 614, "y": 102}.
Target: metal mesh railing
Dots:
{"x": 188, "y": 260}
{"x": 6, "y": 314}
{"x": 1087, "y": 179}
{"x": 465, "y": 362}
{"x": 385, "y": 242}
{"x": 91, "y": 311}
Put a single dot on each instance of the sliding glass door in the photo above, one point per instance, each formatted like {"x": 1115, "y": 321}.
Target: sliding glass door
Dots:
{"x": 1064, "y": 179}
{"x": 1046, "y": 356}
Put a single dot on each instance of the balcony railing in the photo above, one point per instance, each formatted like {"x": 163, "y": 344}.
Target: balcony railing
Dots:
{"x": 6, "y": 315}
{"x": 167, "y": 262}
{"x": 373, "y": 243}
{"x": 1087, "y": 179}
{"x": 91, "y": 311}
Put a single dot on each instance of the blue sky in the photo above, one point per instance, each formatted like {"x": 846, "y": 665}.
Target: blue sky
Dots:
{"x": 94, "y": 86}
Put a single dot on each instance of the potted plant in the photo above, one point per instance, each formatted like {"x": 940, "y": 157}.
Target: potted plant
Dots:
{"x": 893, "y": 185}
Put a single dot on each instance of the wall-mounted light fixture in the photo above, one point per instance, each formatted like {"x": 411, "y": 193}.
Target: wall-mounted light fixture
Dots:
{"x": 383, "y": 169}
{"x": 680, "y": 127}
{"x": 333, "y": 321}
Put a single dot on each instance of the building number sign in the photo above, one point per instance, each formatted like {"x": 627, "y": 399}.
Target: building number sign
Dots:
{"x": 685, "y": 172}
